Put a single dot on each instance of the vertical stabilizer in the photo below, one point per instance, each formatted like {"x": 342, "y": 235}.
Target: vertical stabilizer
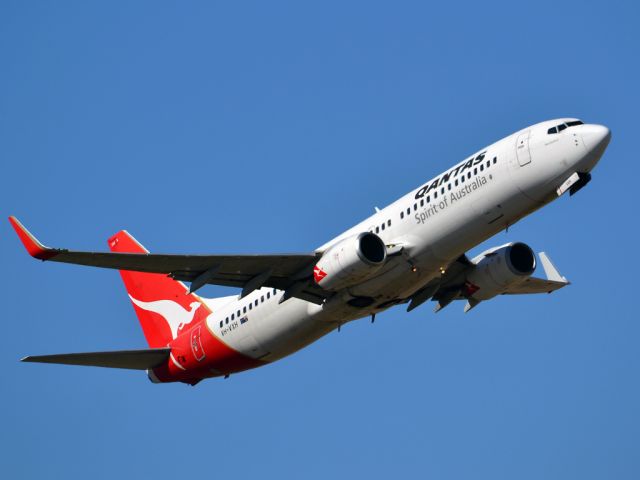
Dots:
{"x": 164, "y": 306}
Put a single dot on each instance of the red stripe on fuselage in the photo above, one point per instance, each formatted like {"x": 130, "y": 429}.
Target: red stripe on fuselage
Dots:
{"x": 219, "y": 358}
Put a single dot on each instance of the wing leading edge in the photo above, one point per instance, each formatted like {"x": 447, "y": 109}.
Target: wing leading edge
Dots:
{"x": 288, "y": 272}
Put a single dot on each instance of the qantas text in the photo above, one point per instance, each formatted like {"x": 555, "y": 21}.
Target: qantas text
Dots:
{"x": 450, "y": 175}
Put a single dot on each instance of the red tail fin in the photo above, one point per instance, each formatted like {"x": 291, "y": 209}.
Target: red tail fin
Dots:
{"x": 164, "y": 306}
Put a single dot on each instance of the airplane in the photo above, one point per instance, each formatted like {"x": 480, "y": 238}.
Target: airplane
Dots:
{"x": 409, "y": 252}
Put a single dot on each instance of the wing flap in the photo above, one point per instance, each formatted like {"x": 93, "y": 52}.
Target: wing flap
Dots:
{"x": 129, "y": 359}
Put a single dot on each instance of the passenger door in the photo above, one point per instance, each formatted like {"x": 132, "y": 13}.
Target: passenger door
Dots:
{"x": 522, "y": 149}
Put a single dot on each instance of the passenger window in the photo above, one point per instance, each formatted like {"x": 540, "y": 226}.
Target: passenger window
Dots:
{"x": 221, "y": 323}
{"x": 382, "y": 226}
{"x": 409, "y": 211}
{"x": 495, "y": 159}
{"x": 475, "y": 171}
{"x": 435, "y": 194}
{"x": 488, "y": 163}
{"x": 469, "y": 175}
{"x": 238, "y": 313}
{"x": 422, "y": 202}
{"x": 388, "y": 223}
{"x": 268, "y": 295}
{"x": 442, "y": 191}
{"x": 250, "y": 306}
{"x": 448, "y": 186}
{"x": 244, "y": 309}
{"x": 482, "y": 168}
{"x": 401, "y": 215}
{"x": 428, "y": 198}
{"x": 456, "y": 182}
{"x": 462, "y": 179}
{"x": 227, "y": 321}
{"x": 377, "y": 229}
{"x": 262, "y": 299}
{"x": 255, "y": 303}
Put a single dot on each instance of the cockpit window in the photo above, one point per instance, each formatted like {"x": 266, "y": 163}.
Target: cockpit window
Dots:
{"x": 562, "y": 126}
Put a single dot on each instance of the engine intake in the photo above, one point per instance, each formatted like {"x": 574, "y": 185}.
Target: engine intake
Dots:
{"x": 372, "y": 249}
{"x": 350, "y": 261}
{"x": 520, "y": 259}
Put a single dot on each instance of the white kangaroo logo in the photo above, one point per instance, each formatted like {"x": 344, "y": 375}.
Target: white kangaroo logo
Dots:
{"x": 175, "y": 315}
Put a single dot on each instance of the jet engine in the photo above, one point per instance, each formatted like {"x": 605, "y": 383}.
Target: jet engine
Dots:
{"x": 350, "y": 261}
{"x": 498, "y": 268}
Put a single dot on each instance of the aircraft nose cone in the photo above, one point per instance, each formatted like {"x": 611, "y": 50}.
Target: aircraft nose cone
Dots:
{"x": 596, "y": 137}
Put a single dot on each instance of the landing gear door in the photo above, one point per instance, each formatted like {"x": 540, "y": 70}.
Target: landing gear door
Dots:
{"x": 522, "y": 149}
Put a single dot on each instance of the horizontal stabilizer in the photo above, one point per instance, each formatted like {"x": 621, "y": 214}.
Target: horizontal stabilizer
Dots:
{"x": 131, "y": 359}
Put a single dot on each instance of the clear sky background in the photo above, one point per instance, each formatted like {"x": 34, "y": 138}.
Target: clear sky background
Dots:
{"x": 206, "y": 127}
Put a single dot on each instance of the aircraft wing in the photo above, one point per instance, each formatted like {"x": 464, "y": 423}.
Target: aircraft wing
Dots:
{"x": 554, "y": 280}
{"x": 292, "y": 273}
{"x": 451, "y": 285}
{"x": 446, "y": 287}
{"x": 535, "y": 285}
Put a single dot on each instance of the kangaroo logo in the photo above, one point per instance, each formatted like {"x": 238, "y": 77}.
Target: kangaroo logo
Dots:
{"x": 174, "y": 314}
{"x": 318, "y": 274}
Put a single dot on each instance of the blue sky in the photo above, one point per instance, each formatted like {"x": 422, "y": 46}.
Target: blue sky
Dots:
{"x": 271, "y": 127}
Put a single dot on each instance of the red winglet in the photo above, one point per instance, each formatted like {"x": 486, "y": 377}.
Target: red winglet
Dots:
{"x": 31, "y": 243}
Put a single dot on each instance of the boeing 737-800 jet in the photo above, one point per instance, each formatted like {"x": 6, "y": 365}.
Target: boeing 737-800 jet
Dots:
{"x": 407, "y": 253}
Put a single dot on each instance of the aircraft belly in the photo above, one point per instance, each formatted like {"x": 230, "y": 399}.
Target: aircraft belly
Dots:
{"x": 288, "y": 329}
{"x": 384, "y": 283}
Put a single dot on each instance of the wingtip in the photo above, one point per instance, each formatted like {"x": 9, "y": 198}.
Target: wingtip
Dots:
{"x": 31, "y": 243}
{"x": 550, "y": 269}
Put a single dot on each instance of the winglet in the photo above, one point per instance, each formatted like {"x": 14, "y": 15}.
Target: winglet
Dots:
{"x": 31, "y": 243}
{"x": 550, "y": 270}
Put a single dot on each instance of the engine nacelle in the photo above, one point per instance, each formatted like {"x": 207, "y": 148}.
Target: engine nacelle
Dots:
{"x": 350, "y": 261}
{"x": 498, "y": 268}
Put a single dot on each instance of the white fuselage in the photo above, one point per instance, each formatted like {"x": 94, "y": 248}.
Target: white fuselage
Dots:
{"x": 432, "y": 225}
